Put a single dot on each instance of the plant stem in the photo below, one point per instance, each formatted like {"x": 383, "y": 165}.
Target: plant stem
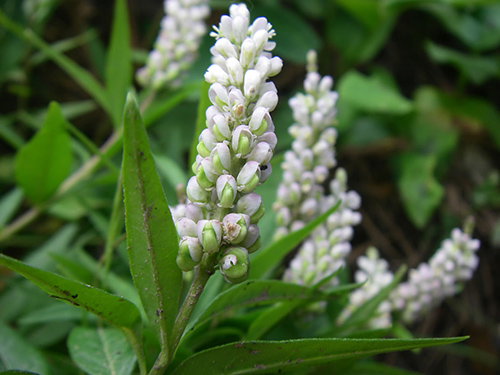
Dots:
{"x": 138, "y": 349}
{"x": 202, "y": 274}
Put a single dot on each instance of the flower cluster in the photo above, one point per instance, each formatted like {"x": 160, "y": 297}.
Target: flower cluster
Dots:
{"x": 301, "y": 196}
{"x": 235, "y": 149}
{"x": 430, "y": 283}
{"x": 375, "y": 274}
{"x": 427, "y": 286}
{"x": 177, "y": 43}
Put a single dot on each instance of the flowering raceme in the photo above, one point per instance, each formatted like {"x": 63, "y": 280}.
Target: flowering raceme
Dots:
{"x": 234, "y": 151}
{"x": 177, "y": 43}
{"x": 301, "y": 196}
{"x": 427, "y": 286}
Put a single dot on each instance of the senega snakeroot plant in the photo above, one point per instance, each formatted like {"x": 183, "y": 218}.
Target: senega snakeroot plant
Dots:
{"x": 214, "y": 232}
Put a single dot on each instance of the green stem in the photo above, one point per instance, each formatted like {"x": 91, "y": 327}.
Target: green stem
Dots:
{"x": 202, "y": 274}
{"x": 138, "y": 349}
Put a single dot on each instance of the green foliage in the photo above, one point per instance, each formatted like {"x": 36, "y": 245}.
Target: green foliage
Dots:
{"x": 422, "y": 118}
{"x": 263, "y": 356}
{"x": 44, "y": 162}
{"x": 101, "y": 351}
{"x": 151, "y": 236}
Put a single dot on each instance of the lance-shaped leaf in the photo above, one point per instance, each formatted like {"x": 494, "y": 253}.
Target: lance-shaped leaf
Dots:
{"x": 119, "y": 62}
{"x": 111, "y": 308}
{"x": 45, "y": 161}
{"x": 258, "y": 292}
{"x": 151, "y": 235}
{"x": 266, "y": 357}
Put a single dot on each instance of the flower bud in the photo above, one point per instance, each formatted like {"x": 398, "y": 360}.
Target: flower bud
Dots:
{"x": 221, "y": 158}
{"x": 276, "y": 65}
{"x": 219, "y": 126}
{"x": 218, "y": 95}
{"x": 235, "y": 265}
{"x": 268, "y": 137}
{"x": 235, "y": 71}
{"x": 263, "y": 65}
{"x": 251, "y": 84}
{"x": 195, "y": 193}
{"x": 261, "y": 121}
{"x": 225, "y": 48}
{"x": 248, "y": 178}
{"x": 236, "y": 103}
{"x": 265, "y": 172}
{"x": 194, "y": 212}
{"x": 209, "y": 235}
{"x": 235, "y": 227}
{"x": 242, "y": 140}
{"x": 226, "y": 190}
{"x": 261, "y": 153}
{"x": 216, "y": 74}
{"x": 251, "y": 205}
{"x": 189, "y": 254}
{"x": 186, "y": 227}
{"x": 205, "y": 174}
{"x": 247, "y": 53}
{"x": 269, "y": 100}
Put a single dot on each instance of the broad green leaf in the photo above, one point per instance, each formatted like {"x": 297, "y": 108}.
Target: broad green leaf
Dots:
{"x": 478, "y": 28}
{"x": 294, "y": 36}
{"x": 80, "y": 75}
{"x": 101, "y": 351}
{"x": 151, "y": 235}
{"x": 368, "y": 12}
{"x": 266, "y": 259}
{"x": 118, "y": 75}
{"x": 17, "y": 372}
{"x": 371, "y": 95}
{"x": 478, "y": 69}
{"x": 264, "y": 357}
{"x": 113, "y": 309}
{"x": 201, "y": 120}
{"x": 419, "y": 189}
{"x": 357, "y": 43}
{"x": 17, "y": 354}
{"x": 45, "y": 161}
{"x": 258, "y": 292}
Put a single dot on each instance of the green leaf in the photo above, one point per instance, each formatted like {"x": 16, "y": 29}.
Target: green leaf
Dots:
{"x": 270, "y": 317}
{"x": 371, "y": 95}
{"x": 45, "y": 161}
{"x": 269, "y": 257}
{"x": 101, "y": 351}
{"x": 113, "y": 309}
{"x": 478, "y": 69}
{"x": 118, "y": 74}
{"x": 420, "y": 191}
{"x": 252, "y": 293}
{"x": 478, "y": 28}
{"x": 264, "y": 357}
{"x": 80, "y": 75}
{"x": 294, "y": 36}
{"x": 368, "y": 12}
{"x": 16, "y": 353}
{"x": 201, "y": 120}
{"x": 17, "y": 372}
{"x": 151, "y": 235}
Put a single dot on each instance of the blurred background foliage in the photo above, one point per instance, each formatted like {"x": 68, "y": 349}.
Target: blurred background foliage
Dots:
{"x": 419, "y": 135}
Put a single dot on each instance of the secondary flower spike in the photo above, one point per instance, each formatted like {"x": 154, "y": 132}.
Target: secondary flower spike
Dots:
{"x": 301, "y": 196}
{"x": 234, "y": 150}
{"x": 177, "y": 43}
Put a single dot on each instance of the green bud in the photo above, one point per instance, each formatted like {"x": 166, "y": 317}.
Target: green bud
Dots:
{"x": 235, "y": 265}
